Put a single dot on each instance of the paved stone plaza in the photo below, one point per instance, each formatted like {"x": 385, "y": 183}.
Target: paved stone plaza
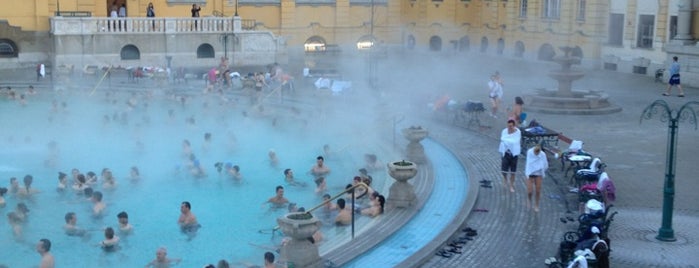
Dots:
{"x": 509, "y": 235}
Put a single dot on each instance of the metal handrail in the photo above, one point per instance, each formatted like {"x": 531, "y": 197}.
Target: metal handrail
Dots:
{"x": 351, "y": 189}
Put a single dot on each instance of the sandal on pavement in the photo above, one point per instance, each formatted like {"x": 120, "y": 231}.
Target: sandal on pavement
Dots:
{"x": 681, "y": 95}
{"x": 454, "y": 250}
{"x": 444, "y": 253}
{"x": 666, "y": 94}
{"x": 468, "y": 229}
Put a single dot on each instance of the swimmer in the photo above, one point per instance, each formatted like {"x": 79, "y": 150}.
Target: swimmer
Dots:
{"x": 273, "y": 160}
{"x": 319, "y": 169}
{"x": 278, "y": 200}
{"x": 345, "y": 215}
{"x": 186, "y": 149}
{"x": 377, "y": 205}
{"x": 62, "y": 181}
{"x": 289, "y": 178}
{"x": 124, "y": 225}
{"x": 321, "y": 185}
{"x": 135, "y": 174}
{"x": 207, "y": 141}
{"x": 80, "y": 183}
{"x": 187, "y": 221}
{"x": 372, "y": 162}
{"x": 111, "y": 241}
{"x": 196, "y": 169}
{"x": 108, "y": 181}
{"x": 161, "y": 260}
{"x": 219, "y": 167}
{"x": 233, "y": 171}
{"x": 43, "y": 248}
{"x": 3, "y": 191}
{"x": 328, "y": 205}
{"x": 14, "y": 185}
{"x": 75, "y": 172}
{"x": 27, "y": 190}
{"x": 22, "y": 211}
{"x": 71, "y": 227}
{"x": 91, "y": 178}
{"x": 16, "y": 224}
{"x": 99, "y": 206}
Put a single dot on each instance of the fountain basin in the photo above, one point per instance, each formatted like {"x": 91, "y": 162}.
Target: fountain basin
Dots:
{"x": 580, "y": 102}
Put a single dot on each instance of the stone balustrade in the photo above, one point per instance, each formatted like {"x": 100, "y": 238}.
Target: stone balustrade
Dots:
{"x": 101, "y": 25}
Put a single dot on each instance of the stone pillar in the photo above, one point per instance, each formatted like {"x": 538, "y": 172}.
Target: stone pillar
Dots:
{"x": 402, "y": 194}
{"x": 237, "y": 24}
{"x": 684, "y": 21}
{"x": 414, "y": 151}
{"x": 299, "y": 252}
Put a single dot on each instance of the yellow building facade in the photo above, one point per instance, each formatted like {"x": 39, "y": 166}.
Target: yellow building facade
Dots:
{"x": 531, "y": 29}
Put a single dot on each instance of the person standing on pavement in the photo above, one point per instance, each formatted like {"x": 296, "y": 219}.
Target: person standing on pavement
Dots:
{"x": 195, "y": 14}
{"x": 495, "y": 92}
{"x": 535, "y": 170}
{"x": 510, "y": 148}
{"x": 674, "y": 78}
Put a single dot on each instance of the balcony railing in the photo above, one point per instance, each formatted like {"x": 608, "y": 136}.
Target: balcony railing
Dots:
{"x": 100, "y": 25}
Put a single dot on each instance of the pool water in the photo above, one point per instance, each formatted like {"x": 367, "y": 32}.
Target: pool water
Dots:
{"x": 236, "y": 225}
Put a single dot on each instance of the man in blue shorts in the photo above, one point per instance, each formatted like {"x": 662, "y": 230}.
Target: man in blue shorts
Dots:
{"x": 674, "y": 78}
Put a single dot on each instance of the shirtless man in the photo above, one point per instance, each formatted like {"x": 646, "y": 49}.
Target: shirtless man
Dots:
{"x": 43, "y": 248}
{"x": 289, "y": 178}
{"x": 99, "y": 206}
{"x": 278, "y": 200}
{"x": 161, "y": 260}
{"x": 124, "y": 225}
{"x": 319, "y": 169}
{"x": 345, "y": 215}
{"x": 71, "y": 227}
{"x": 187, "y": 221}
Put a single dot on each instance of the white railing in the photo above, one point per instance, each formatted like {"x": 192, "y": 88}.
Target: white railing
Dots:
{"x": 95, "y": 25}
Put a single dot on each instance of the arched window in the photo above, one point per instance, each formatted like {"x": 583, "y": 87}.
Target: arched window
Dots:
{"x": 314, "y": 44}
{"x": 366, "y": 42}
{"x": 546, "y": 52}
{"x": 435, "y": 43}
{"x": 8, "y": 49}
{"x": 205, "y": 51}
{"x": 484, "y": 44}
{"x": 130, "y": 52}
{"x": 501, "y": 46}
{"x": 577, "y": 52}
{"x": 519, "y": 49}
{"x": 410, "y": 42}
{"x": 464, "y": 44}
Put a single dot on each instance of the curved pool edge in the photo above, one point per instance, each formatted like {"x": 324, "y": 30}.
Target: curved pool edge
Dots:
{"x": 391, "y": 222}
{"x": 429, "y": 249}
{"x": 400, "y": 245}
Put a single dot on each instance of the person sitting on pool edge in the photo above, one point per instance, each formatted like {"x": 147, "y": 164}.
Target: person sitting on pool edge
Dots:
{"x": 187, "y": 221}
{"x": 376, "y": 205}
{"x": 344, "y": 217}
{"x": 278, "y": 200}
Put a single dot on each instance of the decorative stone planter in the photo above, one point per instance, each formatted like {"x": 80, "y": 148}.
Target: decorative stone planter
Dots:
{"x": 402, "y": 194}
{"x": 300, "y": 251}
{"x": 414, "y": 151}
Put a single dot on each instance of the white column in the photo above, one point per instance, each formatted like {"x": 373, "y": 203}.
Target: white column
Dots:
{"x": 684, "y": 20}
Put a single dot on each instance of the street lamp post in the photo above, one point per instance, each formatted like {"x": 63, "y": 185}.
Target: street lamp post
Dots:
{"x": 666, "y": 233}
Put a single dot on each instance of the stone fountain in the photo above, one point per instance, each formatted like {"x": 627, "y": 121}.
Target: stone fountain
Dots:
{"x": 565, "y": 100}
